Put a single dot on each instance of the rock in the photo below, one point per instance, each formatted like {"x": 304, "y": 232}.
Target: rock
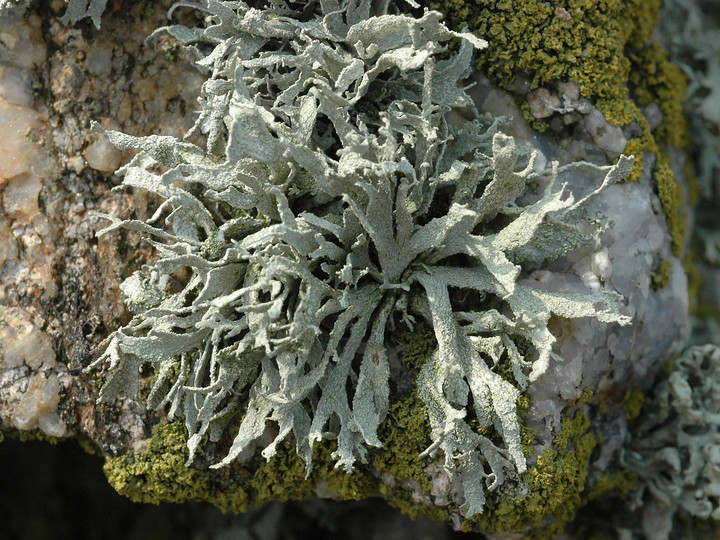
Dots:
{"x": 103, "y": 156}
{"x": 29, "y": 385}
{"x": 60, "y": 296}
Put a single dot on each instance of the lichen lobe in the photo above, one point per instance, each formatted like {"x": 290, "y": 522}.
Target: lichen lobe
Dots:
{"x": 334, "y": 203}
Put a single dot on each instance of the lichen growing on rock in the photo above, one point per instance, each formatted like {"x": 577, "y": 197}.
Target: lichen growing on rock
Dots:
{"x": 674, "y": 449}
{"x": 693, "y": 38}
{"x": 79, "y": 9}
{"x": 554, "y": 485}
{"x": 337, "y": 201}
{"x": 76, "y": 9}
{"x": 606, "y": 49}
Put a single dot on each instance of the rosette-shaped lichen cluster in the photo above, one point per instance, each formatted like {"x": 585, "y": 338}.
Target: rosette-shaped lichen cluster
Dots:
{"x": 348, "y": 188}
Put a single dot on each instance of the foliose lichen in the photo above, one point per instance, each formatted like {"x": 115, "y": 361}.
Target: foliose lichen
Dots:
{"x": 694, "y": 43}
{"x": 675, "y": 445}
{"x": 79, "y": 9}
{"x": 633, "y": 402}
{"x": 604, "y": 47}
{"x": 336, "y": 201}
{"x": 76, "y": 10}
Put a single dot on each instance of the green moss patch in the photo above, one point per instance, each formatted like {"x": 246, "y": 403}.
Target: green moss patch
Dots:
{"x": 633, "y": 402}
{"x": 660, "y": 276}
{"x": 554, "y": 486}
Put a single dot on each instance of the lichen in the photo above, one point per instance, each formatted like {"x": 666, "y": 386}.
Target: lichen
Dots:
{"x": 554, "y": 486}
{"x": 25, "y": 435}
{"x": 672, "y": 198}
{"x": 604, "y": 48}
{"x": 585, "y": 396}
{"x": 75, "y": 11}
{"x": 405, "y": 431}
{"x": 604, "y": 500}
{"x": 660, "y": 276}
{"x": 698, "y": 305}
{"x": 691, "y": 32}
{"x": 632, "y": 402}
{"x": 619, "y": 484}
{"x": 80, "y": 9}
{"x": 582, "y": 41}
{"x": 662, "y": 83}
{"x": 674, "y": 447}
{"x": 331, "y": 206}
{"x": 159, "y": 474}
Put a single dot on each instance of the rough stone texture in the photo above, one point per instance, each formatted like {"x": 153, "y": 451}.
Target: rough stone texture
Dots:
{"x": 59, "y": 293}
{"x": 58, "y": 285}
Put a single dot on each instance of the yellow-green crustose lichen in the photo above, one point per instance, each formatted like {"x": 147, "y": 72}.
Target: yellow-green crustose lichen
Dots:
{"x": 555, "y": 483}
{"x": 158, "y": 474}
{"x": 633, "y": 402}
{"x": 604, "y": 47}
{"x": 661, "y": 274}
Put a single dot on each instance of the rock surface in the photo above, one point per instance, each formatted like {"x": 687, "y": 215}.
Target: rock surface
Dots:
{"x": 59, "y": 284}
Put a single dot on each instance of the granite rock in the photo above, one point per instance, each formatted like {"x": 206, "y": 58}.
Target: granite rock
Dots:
{"x": 60, "y": 294}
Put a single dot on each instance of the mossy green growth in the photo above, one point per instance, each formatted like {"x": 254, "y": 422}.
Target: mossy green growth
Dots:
{"x": 671, "y": 196}
{"x": 87, "y": 445}
{"x": 554, "y": 486}
{"x": 618, "y": 484}
{"x": 660, "y": 276}
{"x": 661, "y": 82}
{"x": 23, "y": 435}
{"x": 632, "y": 403}
{"x": 415, "y": 347}
{"x": 585, "y": 396}
{"x": 698, "y": 304}
{"x": 580, "y": 40}
{"x": 603, "y": 47}
{"x": 405, "y": 430}
{"x": 555, "y": 483}
{"x": 158, "y": 474}
{"x": 602, "y": 501}
{"x": 602, "y": 407}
